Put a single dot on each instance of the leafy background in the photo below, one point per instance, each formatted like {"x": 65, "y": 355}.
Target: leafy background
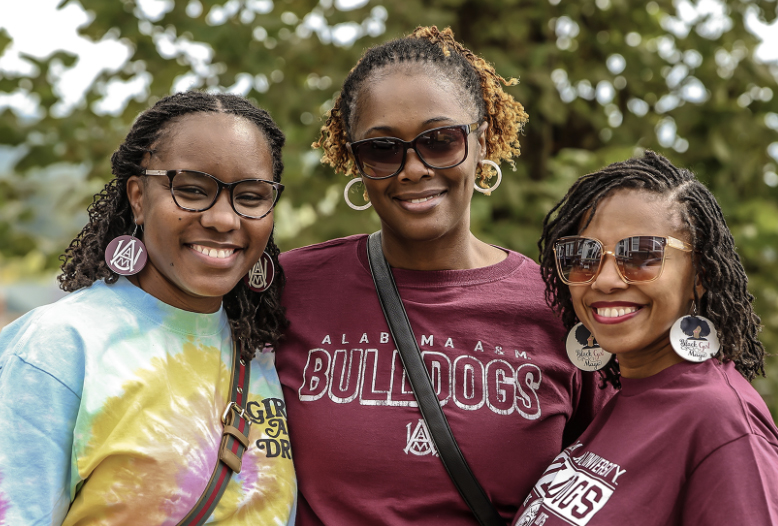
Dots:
{"x": 601, "y": 80}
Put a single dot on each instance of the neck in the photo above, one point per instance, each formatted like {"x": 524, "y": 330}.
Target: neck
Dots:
{"x": 645, "y": 363}
{"x": 445, "y": 253}
{"x": 166, "y": 292}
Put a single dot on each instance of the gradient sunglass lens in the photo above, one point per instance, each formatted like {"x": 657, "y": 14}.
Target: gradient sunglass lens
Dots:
{"x": 578, "y": 259}
{"x": 441, "y": 148}
{"x": 380, "y": 157}
{"x": 640, "y": 258}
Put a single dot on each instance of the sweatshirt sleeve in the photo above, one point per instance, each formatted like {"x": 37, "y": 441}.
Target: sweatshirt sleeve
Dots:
{"x": 736, "y": 484}
{"x": 588, "y": 399}
{"x": 37, "y": 417}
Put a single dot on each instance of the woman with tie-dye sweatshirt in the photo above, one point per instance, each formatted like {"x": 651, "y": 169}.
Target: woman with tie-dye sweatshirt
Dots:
{"x": 114, "y": 401}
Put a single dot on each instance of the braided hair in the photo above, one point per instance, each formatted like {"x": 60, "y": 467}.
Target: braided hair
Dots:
{"x": 726, "y": 301}
{"x": 439, "y": 51}
{"x": 256, "y": 319}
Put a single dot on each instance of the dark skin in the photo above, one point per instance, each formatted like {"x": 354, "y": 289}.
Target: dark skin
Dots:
{"x": 195, "y": 258}
{"x": 425, "y": 213}
{"x": 633, "y": 320}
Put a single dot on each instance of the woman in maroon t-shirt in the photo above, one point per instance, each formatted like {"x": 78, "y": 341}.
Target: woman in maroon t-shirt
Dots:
{"x": 640, "y": 264}
{"x": 422, "y": 123}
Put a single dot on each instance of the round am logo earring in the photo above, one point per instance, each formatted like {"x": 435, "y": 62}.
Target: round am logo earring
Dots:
{"x": 584, "y": 351}
{"x": 260, "y": 276}
{"x": 126, "y": 255}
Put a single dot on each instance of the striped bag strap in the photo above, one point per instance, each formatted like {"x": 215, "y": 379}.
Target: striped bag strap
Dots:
{"x": 235, "y": 440}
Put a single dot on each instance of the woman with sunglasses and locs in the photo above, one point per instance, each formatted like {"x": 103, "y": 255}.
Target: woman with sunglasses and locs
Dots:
{"x": 422, "y": 122}
{"x": 640, "y": 264}
{"x": 144, "y": 396}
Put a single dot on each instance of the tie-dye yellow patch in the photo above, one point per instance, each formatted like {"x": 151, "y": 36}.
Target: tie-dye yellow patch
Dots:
{"x": 159, "y": 437}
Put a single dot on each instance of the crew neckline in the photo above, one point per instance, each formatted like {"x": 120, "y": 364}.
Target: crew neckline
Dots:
{"x": 172, "y": 318}
{"x": 429, "y": 279}
{"x": 636, "y": 386}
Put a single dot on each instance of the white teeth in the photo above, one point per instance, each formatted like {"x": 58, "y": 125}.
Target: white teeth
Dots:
{"x": 423, "y": 199}
{"x": 214, "y": 253}
{"x": 615, "y": 312}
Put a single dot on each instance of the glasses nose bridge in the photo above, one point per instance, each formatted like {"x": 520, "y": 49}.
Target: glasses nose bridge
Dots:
{"x": 615, "y": 262}
{"x": 230, "y": 197}
{"x": 411, "y": 145}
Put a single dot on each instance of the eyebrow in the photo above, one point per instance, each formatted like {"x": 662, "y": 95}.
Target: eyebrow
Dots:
{"x": 388, "y": 129}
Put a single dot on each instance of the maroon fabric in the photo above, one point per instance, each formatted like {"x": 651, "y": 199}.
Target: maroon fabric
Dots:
{"x": 692, "y": 445}
{"x": 361, "y": 451}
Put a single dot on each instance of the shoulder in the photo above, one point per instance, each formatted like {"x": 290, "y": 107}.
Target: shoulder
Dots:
{"x": 744, "y": 402}
{"x": 62, "y": 315}
{"x": 320, "y": 257}
{"x": 723, "y": 404}
{"x": 318, "y": 249}
{"x": 524, "y": 286}
{"x": 527, "y": 270}
{"x": 53, "y": 337}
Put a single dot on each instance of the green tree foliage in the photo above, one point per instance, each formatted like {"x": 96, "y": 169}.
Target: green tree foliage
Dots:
{"x": 601, "y": 80}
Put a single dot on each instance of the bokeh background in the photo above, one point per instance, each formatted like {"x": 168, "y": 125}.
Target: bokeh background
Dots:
{"x": 601, "y": 80}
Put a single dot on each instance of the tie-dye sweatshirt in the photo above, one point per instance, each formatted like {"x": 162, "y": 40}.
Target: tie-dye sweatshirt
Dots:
{"x": 110, "y": 407}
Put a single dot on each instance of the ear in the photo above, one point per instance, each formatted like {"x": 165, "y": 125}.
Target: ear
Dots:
{"x": 481, "y": 134}
{"x": 698, "y": 287}
{"x": 135, "y": 192}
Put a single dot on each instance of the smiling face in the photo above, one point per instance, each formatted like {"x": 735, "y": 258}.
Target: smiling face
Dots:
{"x": 195, "y": 258}
{"x": 419, "y": 204}
{"x": 633, "y": 321}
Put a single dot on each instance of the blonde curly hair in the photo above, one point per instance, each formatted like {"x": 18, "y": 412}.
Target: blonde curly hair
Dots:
{"x": 505, "y": 115}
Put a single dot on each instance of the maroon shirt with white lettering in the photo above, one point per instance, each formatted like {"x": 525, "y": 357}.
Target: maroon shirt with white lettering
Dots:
{"x": 693, "y": 445}
{"x": 362, "y": 452}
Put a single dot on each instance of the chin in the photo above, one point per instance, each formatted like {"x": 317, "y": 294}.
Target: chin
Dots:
{"x": 423, "y": 232}
{"x": 212, "y": 288}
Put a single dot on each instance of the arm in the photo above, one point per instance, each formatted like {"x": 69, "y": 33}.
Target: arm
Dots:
{"x": 588, "y": 400}
{"x": 736, "y": 484}
{"x": 37, "y": 416}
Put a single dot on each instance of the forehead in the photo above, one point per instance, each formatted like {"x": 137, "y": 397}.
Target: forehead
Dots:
{"x": 213, "y": 138}
{"x": 215, "y": 128}
{"x": 632, "y": 212}
{"x": 411, "y": 94}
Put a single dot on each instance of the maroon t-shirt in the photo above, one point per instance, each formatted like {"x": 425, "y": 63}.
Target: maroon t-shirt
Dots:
{"x": 361, "y": 449}
{"x": 693, "y": 445}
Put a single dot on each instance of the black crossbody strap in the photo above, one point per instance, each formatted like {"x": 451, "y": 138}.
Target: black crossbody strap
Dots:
{"x": 448, "y": 449}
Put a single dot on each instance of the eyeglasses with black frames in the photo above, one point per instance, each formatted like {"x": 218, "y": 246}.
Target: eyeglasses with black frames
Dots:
{"x": 639, "y": 259}
{"x": 438, "y": 148}
{"x": 198, "y": 191}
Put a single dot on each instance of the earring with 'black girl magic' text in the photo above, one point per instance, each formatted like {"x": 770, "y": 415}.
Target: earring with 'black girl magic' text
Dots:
{"x": 260, "y": 276}
{"x": 694, "y": 337}
{"x": 348, "y": 201}
{"x": 584, "y": 351}
{"x": 126, "y": 255}
{"x": 489, "y": 190}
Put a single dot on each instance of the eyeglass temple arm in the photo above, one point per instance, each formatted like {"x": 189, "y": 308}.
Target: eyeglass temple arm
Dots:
{"x": 678, "y": 244}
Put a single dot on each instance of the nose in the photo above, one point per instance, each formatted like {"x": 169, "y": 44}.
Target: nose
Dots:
{"x": 608, "y": 279}
{"x": 221, "y": 217}
{"x": 414, "y": 170}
